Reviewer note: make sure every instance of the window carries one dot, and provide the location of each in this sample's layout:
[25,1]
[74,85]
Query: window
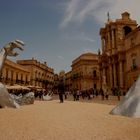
[95,86]
[94,73]
[21,77]
[12,73]
[127,30]
[16,77]
[134,66]
[26,78]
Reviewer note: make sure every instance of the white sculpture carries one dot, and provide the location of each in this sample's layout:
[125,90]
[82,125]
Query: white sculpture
[48,97]
[26,99]
[130,104]
[7,50]
[5,99]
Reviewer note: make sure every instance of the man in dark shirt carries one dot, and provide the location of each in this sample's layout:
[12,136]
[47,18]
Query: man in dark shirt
[61,91]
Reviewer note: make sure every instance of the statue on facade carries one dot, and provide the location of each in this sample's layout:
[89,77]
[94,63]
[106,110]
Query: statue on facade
[7,50]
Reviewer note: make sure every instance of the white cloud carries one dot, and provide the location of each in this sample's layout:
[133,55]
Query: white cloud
[97,9]
[81,36]
[89,39]
[60,57]
[70,12]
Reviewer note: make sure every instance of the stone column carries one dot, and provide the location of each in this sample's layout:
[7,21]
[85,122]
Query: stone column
[101,75]
[121,74]
[103,45]
[110,75]
[113,39]
[114,73]
[14,77]
[113,42]
[108,47]
[104,84]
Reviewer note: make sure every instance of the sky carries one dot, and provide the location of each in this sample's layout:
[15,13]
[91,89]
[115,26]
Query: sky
[58,31]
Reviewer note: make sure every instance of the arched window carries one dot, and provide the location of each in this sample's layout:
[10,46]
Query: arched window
[94,73]
[95,86]
[12,74]
[134,65]
[16,77]
[26,78]
[35,74]
[127,30]
[39,75]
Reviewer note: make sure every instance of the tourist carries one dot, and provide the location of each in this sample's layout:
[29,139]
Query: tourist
[78,95]
[74,94]
[61,91]
[118,93]
[107,94]
[95,92]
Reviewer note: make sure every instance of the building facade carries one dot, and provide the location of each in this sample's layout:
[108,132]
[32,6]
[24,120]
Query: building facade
[56,83]
[85,72]
[40,74]
[132,44]
[28,72]
[113,61]
[68,81]
[13,73]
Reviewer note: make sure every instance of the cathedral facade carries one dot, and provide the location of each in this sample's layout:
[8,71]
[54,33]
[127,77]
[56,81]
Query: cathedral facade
[119,58]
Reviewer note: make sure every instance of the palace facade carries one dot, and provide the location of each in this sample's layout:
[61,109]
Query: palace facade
[40,74]
[119,61]
[68,81]
[85,72]
[28,72]
[132,44]
[13,73]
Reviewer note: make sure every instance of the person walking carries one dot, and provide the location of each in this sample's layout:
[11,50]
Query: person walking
[61,91]
[107,94]
[118,93]
[78,94]
[74,94]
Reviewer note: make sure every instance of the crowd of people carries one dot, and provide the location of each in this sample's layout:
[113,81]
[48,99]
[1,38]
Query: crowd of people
[89,94]
[76,93]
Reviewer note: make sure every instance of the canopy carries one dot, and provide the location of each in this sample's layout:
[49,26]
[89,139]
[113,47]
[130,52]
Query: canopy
[17,87]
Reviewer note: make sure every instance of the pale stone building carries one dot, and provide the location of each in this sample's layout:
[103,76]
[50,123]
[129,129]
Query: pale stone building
[68,81]
[61,74]
[132,44]
[40,74]
[56,83]
[85,72]
[114,59]
[14,73]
